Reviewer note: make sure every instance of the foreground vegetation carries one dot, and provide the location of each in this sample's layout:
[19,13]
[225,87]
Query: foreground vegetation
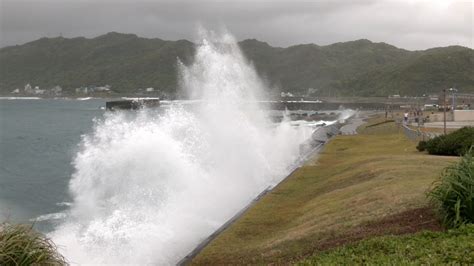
[453,194]
[22,245]
[361,186]
[455,143]
[429,248]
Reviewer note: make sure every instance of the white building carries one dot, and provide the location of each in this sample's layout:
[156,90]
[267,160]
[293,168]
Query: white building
[37,90]
[83,90]
[28,88]
[150,89]
[57,90]
[103,88]
[286,94]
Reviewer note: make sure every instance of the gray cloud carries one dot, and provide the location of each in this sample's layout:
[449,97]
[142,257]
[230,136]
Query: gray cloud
[410,24]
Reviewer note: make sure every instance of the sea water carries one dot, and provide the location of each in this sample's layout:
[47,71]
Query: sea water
[38,139]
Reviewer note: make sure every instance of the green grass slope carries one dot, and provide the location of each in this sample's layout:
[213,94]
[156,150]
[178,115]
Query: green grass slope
[342,195]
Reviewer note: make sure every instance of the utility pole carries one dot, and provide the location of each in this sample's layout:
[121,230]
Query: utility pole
[454,101]
[444,109]
[453,91]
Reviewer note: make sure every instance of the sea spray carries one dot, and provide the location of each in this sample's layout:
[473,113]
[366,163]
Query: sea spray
[148,187]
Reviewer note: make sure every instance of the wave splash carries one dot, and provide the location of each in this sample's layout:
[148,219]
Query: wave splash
[148,188]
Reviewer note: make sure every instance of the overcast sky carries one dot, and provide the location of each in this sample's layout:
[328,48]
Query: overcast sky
[409,24]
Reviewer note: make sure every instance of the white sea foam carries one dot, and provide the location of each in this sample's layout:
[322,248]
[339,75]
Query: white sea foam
[20,98]
[49,217]
[345,114]
[147,189]
[311,123]
[64,204]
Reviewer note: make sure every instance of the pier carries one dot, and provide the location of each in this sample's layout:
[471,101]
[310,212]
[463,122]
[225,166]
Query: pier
[132,104]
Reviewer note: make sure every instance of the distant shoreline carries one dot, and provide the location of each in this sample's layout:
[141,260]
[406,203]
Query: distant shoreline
[294,103]
[68,98]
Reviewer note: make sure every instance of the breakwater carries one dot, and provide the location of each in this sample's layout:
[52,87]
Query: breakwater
[316,105]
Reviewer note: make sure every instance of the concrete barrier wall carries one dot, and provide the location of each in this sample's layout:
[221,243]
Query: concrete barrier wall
[439,116]
[295,105]
[463,115]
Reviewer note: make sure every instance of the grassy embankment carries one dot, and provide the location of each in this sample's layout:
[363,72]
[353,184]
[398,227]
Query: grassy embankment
[359,186]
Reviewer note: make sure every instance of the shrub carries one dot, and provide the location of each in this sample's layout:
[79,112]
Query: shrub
[421,146]
[453,194]
[456,143]
[22,245]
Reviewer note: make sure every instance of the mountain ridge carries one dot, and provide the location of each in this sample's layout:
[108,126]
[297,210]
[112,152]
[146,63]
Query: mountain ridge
[128,62]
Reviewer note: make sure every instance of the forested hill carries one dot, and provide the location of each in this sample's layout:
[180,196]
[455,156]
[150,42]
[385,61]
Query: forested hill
[127,62]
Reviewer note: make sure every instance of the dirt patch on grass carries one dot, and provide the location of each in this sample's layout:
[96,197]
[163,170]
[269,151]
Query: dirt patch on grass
[380,123]
[406,222]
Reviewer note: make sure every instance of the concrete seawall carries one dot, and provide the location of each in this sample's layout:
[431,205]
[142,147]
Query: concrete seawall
[307,149]
[298,105]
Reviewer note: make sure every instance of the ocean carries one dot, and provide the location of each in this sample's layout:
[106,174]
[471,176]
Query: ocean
[38,140]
